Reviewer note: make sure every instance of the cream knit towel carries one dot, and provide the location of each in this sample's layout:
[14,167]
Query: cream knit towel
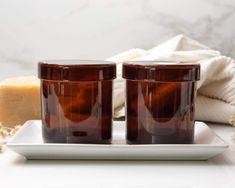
[216,90]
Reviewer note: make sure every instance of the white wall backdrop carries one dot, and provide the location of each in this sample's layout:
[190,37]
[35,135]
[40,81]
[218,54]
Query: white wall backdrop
[32,30]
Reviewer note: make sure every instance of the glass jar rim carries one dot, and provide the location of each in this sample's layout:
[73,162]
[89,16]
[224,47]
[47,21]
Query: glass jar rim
[165,71]
[76,70]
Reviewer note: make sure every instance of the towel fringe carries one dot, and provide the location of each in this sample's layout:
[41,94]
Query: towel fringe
[232,120]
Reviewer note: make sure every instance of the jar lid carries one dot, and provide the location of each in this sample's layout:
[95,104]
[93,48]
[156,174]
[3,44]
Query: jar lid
[76,70]
[165,71]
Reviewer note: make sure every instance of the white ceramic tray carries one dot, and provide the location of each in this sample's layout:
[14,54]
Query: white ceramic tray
[28,142]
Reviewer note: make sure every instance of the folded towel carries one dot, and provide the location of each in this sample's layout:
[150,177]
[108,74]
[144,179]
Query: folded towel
[215,100]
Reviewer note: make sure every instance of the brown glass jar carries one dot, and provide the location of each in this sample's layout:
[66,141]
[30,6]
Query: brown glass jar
[160,100]
[76,100]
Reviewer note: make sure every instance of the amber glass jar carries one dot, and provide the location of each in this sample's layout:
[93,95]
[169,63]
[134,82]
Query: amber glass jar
[160,102]
[76,100]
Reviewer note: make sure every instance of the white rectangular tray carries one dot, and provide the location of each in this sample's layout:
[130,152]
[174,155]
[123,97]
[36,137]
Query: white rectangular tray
[28,142]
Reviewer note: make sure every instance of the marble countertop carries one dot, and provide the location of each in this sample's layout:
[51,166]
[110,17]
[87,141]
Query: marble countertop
[219,171]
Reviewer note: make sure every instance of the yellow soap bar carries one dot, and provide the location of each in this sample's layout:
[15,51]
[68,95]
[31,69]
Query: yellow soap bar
[19,100]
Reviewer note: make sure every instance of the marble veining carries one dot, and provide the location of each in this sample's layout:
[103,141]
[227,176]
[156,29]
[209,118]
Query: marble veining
[35,30]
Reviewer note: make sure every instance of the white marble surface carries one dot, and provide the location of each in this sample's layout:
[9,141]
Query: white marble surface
[49,29]
[218,172]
